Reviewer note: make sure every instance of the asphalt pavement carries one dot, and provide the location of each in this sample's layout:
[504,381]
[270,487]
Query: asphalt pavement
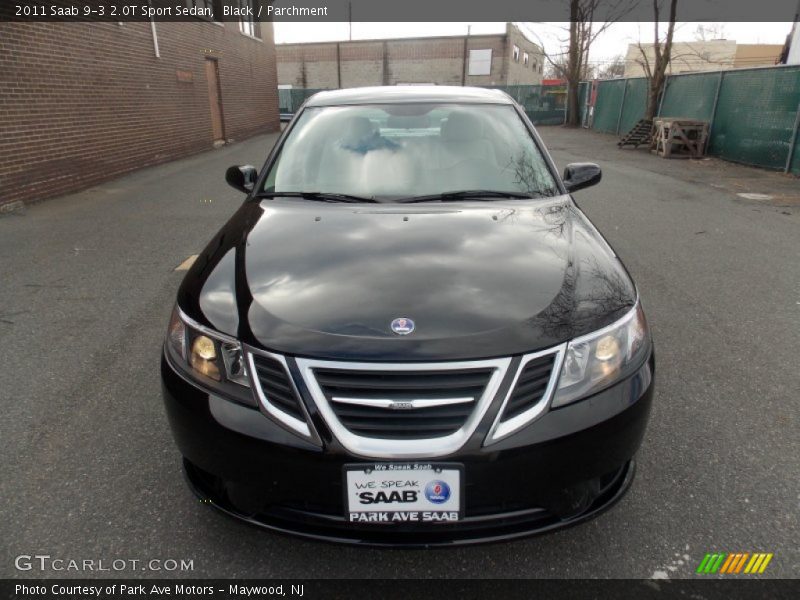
[89,469]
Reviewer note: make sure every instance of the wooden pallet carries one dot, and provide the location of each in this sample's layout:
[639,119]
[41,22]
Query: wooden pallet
[639,135]
[679,138]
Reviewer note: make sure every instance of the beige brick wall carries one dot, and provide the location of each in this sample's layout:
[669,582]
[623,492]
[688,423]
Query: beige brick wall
[687,57]
[756,55]
[418,60]
[518,72]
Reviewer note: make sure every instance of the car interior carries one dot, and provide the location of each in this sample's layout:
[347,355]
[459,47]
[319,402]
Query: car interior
[368,151]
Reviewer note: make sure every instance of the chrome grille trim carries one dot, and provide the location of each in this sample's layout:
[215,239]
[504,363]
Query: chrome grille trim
[389,403]
[500,428]
[403,448]
[301,427]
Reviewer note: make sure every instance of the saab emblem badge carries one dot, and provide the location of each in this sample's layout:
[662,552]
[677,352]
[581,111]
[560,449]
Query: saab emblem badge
[402,405]
[402,326]
[437,492]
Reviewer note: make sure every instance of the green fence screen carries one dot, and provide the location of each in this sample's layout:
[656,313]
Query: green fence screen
[794,166]
[753,113]
[690,96]
[635,103]
[544,105]
[755,116]
[607,105]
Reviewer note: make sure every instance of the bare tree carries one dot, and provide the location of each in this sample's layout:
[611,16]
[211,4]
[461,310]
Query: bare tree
[615,68]
[700,55]
[572,63]
[556,67]
[709,31]
[662,53]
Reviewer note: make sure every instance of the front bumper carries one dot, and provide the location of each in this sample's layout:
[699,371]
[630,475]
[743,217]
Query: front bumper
[565,467]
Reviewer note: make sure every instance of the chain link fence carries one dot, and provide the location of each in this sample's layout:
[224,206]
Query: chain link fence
[754,114]
[620,104]
[756,117]
[691,96]
[610,98]
[291,99]
[544,105]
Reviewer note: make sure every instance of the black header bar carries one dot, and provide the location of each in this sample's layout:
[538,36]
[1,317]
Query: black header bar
[387,10]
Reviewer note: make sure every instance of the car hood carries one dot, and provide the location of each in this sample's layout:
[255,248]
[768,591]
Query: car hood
[479,279]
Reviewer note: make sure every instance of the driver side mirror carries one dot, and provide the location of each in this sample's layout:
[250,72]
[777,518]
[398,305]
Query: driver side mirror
[581,175]
[242,178]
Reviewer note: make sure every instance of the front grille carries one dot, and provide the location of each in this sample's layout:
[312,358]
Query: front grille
[374,404]
[276,386]
[530,387]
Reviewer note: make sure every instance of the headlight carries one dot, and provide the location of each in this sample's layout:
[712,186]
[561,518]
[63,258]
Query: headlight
[212,358]
[593,362]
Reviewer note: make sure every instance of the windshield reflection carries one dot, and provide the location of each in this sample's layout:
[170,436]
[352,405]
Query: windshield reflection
[404,150]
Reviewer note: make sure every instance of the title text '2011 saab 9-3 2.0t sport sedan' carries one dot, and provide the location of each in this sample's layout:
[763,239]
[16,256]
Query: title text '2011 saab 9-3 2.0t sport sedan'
[409,333]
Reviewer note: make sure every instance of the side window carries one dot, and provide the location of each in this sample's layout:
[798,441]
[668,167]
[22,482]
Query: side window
[515,53]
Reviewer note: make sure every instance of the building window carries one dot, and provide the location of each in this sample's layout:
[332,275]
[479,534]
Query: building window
[516,53]
[525,58]
[480,62]
[247,25]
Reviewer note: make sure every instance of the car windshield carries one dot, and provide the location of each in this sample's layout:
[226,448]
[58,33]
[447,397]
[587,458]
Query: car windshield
[399,152]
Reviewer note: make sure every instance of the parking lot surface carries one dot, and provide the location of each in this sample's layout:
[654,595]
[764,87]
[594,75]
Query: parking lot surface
[89,469]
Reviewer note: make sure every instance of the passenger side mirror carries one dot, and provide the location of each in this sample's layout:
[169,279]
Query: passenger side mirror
[242,178]
[581,175]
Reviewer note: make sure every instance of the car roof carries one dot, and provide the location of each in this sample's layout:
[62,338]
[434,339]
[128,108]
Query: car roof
[409,93]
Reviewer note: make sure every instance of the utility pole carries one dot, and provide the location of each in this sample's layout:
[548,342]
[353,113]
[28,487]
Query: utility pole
[350,19]
[385,67]
[338,66]
[466,51]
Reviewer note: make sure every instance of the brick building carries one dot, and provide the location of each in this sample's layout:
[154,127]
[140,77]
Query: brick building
[499,59]
[83,102]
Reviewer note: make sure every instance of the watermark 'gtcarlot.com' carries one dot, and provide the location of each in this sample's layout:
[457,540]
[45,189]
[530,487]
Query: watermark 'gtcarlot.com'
[46,562]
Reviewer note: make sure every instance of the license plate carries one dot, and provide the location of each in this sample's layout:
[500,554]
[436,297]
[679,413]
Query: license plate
[403,493]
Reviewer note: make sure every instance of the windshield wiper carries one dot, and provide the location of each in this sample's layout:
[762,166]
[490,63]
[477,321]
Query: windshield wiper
[470,195]
[320,196]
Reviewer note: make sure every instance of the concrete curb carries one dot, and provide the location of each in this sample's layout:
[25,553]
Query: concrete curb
[12,208]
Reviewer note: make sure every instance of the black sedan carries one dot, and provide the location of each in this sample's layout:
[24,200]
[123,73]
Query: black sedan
[409,333]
